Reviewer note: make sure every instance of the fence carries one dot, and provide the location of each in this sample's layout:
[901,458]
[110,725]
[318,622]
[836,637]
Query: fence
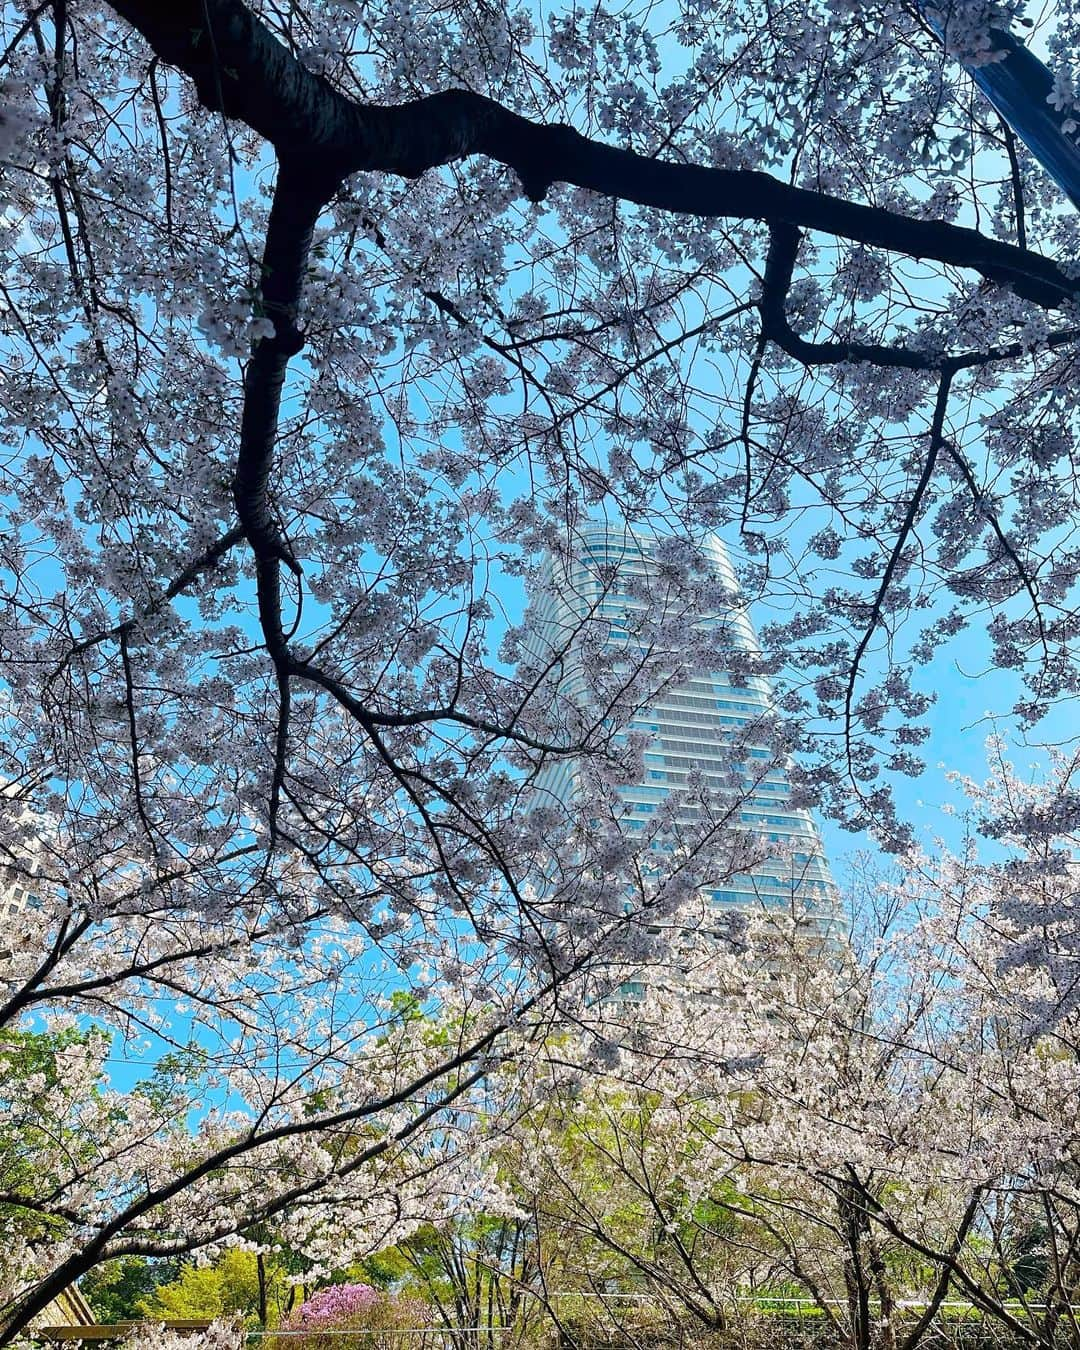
[627,1321]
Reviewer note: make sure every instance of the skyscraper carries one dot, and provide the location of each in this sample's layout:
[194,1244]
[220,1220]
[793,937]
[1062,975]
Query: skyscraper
[713,731]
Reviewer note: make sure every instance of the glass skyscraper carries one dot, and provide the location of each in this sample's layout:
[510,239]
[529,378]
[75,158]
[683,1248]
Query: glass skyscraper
[713,731]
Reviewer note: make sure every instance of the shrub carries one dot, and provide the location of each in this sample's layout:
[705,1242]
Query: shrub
[381,1321]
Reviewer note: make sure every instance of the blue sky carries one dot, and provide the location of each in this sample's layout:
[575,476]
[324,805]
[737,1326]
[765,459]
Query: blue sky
[968,694]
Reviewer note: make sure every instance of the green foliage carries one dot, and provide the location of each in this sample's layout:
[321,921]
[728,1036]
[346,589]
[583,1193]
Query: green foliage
[1029,1267]
[227,1286]
[173,1073]
[117,1289]
[388,1269]
[36,1126]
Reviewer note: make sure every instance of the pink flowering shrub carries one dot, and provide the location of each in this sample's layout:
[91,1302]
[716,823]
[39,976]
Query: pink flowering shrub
[337,1305]
[381,1321]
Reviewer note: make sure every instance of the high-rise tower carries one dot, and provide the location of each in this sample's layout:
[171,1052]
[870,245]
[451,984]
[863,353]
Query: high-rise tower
[715,728]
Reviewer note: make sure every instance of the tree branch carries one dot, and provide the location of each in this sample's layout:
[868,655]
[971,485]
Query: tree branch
[240,68]
[911,515]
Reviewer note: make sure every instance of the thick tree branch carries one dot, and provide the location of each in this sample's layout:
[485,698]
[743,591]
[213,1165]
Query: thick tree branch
[298,199]
[779,266]
[239,67]
[295,209]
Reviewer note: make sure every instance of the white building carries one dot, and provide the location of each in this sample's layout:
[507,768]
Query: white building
[717,725]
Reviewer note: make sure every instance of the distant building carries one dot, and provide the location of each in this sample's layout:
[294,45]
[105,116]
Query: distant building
[695,725]
[14,897]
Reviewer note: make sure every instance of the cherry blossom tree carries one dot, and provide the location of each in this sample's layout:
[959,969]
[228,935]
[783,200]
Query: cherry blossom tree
[817,342]
[880,1125]
[321,322]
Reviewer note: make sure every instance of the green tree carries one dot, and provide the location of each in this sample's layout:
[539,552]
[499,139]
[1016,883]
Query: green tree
[116,1289]
[39,1083]
[226,1286]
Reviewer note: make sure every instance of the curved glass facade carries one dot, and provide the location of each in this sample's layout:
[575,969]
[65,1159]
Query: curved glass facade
[714,730]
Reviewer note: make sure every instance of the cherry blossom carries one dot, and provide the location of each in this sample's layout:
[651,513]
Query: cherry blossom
[323,326]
